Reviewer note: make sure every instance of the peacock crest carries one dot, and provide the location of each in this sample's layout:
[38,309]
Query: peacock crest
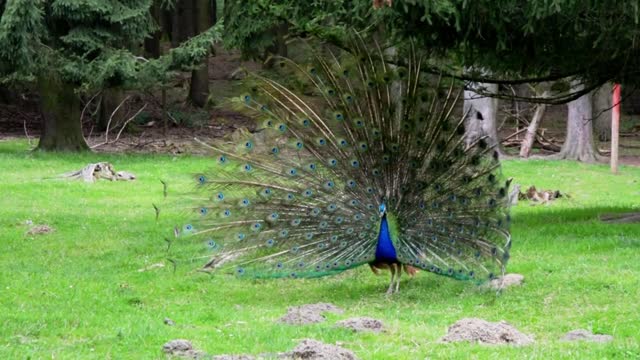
[359,158]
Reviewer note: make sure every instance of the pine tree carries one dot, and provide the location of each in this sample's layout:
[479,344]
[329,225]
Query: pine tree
[70,47]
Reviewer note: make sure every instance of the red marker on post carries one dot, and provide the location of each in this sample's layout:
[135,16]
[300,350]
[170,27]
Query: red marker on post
[615,127]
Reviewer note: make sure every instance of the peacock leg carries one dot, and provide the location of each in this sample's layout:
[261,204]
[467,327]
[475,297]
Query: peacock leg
[399,273]
[392,269]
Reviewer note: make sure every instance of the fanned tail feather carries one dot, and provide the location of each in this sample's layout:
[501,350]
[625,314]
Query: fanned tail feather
[300,197]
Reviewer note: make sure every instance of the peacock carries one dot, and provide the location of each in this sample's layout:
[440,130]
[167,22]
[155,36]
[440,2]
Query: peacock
[358,158]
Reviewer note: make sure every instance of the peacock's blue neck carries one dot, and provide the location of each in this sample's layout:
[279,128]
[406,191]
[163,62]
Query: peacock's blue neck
[385,251]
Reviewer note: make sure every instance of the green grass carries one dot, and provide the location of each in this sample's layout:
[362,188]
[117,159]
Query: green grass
[77,293]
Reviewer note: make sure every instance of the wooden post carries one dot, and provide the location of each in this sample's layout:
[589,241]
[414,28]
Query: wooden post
[615,128]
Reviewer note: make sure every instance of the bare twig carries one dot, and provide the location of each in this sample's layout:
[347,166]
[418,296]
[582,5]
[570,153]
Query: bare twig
[24,124]
[124,125]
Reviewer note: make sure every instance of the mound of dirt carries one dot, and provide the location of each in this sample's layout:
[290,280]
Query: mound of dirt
[40,229]
[359,324]
[506,281]
[309,349]
[235,357]
[182,348]
[586,335]
[308,314]
[482,331]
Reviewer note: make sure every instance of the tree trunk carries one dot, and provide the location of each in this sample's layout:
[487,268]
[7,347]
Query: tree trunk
[579,144]
[60,108]
[110,100]
[602,112]
[279,46]
[481,115]
[532,129]
[199,90]
[152,44]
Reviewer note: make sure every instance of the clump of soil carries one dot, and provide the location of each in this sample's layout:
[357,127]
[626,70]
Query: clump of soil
[182,348]
[309,349]
[506,281]
[482,331]
[362,324]
[234,357]
[586,335]
[308,314]
[40,229]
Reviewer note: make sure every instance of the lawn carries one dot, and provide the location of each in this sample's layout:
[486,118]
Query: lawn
[78,292]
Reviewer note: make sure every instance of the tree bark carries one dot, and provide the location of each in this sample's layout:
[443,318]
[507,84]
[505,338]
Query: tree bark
[60,108]
[199,90]
[532,129]
[482,113]
[279,46]
[579,144]
[110,100]
[602,112]
[152,44]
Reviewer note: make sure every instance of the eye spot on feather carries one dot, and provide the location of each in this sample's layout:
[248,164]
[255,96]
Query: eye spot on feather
[323,225]
[247,99]
[313,71]
[306,122]
[351,183]
[220,196]
[329,184]
[284,233]
[275,150]
[293,275]
[295,250]
[355,163]
[307,193]
[282,128]
[332,162]
[188,227]
[308,236]
[371,207]
[279,265]
[270,242]
[290,197]
[370,190]
[339,219]
[245,202]
[222,159]
[315,211]
[363,146]
[211,244]
[299,145]
[353,202]
[312,167]
[301,264]
[226,213]
[358,123]
[248,145]
[256,227]
[293,172]
[240,271]
[343,143]
[274,216]
[331,207]
[203,211]
[240,236]
[295,222]
[348,98]
[202,179]
[247,168]
[331,92]
[375,172]
[322,142]
[350,231]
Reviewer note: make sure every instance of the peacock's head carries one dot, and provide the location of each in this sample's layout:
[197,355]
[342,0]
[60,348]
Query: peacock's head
[382,209]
